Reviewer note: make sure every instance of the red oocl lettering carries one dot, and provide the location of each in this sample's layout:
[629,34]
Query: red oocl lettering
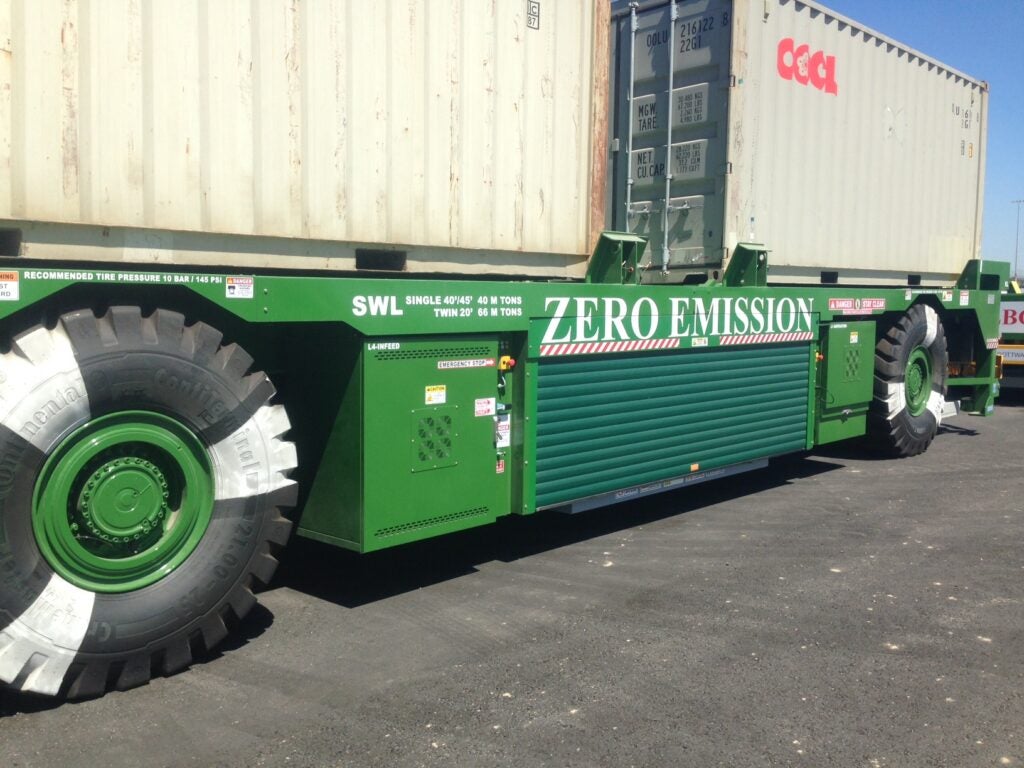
[798,63]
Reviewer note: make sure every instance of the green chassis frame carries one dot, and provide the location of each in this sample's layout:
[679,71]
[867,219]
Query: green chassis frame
[401,457]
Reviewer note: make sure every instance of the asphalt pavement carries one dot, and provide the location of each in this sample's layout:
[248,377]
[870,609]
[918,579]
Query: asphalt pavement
[832,610]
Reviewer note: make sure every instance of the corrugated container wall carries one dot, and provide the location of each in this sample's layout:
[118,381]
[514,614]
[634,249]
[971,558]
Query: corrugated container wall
[852,157]
[288,132]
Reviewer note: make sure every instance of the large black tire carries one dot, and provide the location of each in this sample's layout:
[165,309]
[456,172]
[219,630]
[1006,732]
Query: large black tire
[911,366]
[60,637]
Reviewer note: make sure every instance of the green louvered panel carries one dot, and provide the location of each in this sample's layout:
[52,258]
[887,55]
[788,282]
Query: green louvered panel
[615,421]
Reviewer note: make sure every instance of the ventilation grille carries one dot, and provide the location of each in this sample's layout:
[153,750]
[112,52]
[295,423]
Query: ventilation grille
[432,353]
[394,530]
[617,421]
[434,439]
[852,364]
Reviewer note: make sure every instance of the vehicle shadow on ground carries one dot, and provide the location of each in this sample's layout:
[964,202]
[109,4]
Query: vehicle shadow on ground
[255,624]
[15,703]
[862,450]
[1012,398]
[352,580]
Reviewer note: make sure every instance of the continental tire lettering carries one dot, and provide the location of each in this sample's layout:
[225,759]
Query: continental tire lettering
[9,461]
[797,63]
[57,403]
[199,392]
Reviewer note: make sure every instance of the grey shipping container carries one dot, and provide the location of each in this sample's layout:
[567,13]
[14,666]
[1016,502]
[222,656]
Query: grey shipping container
[852,157]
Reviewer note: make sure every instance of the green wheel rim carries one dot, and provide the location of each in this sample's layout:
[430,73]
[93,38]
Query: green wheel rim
[918,380]
[123,501]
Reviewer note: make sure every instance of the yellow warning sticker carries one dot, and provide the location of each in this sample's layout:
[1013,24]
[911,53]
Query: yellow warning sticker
[436,394]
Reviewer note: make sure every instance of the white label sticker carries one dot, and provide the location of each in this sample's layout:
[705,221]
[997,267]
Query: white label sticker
[503,430]
[484,362]
[854,337]
[436,394]
[484,406]
[239,287]
[965,298]
[9,286]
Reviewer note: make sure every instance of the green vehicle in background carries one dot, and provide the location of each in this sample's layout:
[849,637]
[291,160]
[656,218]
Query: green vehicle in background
[270,271]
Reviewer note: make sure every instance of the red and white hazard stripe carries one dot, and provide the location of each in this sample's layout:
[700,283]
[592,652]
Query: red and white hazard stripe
[602,347]
[605,347]
[766,338]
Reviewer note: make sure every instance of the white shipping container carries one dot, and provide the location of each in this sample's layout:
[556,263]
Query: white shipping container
[468,135]
[852,157]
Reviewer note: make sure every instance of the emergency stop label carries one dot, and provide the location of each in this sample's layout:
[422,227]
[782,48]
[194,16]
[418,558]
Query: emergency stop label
[9,286]
[482,362]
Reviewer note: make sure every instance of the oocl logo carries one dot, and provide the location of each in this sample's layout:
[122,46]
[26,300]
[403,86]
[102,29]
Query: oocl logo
[796,62]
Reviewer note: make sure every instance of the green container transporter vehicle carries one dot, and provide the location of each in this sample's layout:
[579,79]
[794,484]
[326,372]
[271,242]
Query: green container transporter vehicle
[175,403]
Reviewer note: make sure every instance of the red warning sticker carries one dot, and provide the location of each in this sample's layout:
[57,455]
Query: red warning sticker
[856,306]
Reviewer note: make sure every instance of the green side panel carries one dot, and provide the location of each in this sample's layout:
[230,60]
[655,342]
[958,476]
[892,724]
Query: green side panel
[846,389]
[613,421]
[333,510]
[432,462]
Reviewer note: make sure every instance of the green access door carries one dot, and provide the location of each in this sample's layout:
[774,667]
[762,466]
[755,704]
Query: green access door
[433,442]
[847,381]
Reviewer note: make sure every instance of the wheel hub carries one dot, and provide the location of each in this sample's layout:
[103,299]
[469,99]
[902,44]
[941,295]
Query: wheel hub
[917,380]
[123,501]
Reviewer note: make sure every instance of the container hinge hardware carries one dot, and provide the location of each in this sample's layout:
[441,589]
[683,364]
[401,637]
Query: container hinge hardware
[634,25]
[665,252]
[684,207]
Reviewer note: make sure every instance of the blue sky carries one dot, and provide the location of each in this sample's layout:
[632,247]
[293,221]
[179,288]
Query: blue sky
[983,39]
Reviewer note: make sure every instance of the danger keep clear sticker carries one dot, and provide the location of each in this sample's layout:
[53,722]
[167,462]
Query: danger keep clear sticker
[9,286]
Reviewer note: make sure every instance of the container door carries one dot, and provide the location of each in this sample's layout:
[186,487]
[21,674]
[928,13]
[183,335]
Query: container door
[671,80]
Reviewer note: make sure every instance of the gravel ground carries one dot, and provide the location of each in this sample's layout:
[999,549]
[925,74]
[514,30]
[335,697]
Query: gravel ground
[832,610]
